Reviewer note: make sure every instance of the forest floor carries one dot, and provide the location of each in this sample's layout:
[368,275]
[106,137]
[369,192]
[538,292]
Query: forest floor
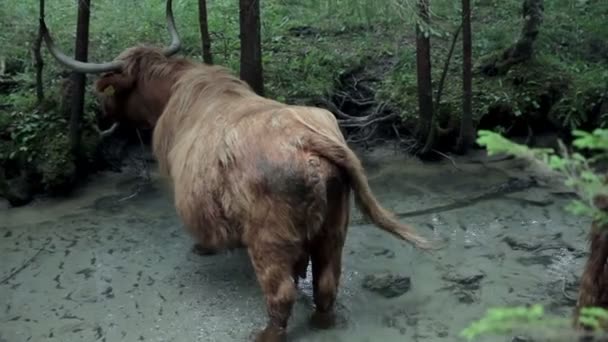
[107,265]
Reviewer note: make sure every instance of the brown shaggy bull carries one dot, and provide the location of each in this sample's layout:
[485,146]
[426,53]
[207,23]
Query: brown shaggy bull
[246,171]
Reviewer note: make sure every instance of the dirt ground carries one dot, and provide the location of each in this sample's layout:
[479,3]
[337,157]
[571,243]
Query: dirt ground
[108,265]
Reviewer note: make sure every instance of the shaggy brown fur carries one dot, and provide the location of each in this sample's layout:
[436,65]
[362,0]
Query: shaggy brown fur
[250,172]
[593,289]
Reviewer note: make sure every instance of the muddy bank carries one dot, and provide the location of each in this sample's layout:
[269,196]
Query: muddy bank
[106,265]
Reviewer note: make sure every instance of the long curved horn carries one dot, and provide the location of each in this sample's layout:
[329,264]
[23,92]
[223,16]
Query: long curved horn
[83,67]
[175,41]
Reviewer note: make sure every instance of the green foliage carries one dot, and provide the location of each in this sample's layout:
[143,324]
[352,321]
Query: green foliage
[594,317]
[30,130]
[503,321]
[532,320]
[56,164]
[576,168]
[308,45]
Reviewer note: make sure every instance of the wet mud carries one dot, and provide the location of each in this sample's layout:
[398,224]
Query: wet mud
[113,262]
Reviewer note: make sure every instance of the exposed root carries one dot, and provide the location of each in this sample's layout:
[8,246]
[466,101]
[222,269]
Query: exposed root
[363,119]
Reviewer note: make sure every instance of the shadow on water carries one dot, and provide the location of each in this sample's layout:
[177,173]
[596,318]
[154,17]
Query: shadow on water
[113,261]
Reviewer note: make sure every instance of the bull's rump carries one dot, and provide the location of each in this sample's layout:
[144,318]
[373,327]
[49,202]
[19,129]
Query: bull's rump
[256,177]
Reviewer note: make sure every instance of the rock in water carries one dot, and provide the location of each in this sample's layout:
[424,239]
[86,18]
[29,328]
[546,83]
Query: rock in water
[387,285]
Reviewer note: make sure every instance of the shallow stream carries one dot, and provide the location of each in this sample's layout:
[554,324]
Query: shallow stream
[110,265]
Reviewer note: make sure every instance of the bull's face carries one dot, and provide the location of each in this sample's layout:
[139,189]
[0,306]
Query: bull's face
[123,99]
[114,92]
[137,101]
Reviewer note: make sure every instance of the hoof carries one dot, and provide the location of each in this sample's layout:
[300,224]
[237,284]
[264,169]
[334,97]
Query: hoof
[323,320]
[200,250]
[271,334]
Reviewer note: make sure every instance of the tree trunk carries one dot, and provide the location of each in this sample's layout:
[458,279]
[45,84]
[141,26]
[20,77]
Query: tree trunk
[423,69]
[467,131]
[79,79]
[204,27]
[436,130]
[39,63]
[251,44]
[522,50]
[593,288]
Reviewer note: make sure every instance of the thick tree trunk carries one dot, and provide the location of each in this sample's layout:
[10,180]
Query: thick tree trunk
[423,69]
[467,131]
[79,79]
[251,44]
[39,63]
[204,28]
[593,289]
[522,50]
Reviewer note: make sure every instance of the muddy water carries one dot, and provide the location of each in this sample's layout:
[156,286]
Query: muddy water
[104,265]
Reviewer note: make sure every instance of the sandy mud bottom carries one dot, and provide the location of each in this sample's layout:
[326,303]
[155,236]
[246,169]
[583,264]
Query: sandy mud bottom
[104,265]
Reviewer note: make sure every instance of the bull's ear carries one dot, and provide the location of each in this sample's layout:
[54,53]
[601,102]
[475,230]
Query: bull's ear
[114,83]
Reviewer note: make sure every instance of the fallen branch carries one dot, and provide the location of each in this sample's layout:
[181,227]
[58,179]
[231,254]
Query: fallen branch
[498,191]
[448,158]
[26,263]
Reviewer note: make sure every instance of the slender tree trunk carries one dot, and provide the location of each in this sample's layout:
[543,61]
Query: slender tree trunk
[79,79]
[522,50]
[436,130]
[423,69]
[251,44]
[204,28]
[467,131]
[36,49]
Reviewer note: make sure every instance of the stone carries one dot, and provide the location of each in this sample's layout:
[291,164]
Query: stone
[467,280]
[17,191]
[387,284]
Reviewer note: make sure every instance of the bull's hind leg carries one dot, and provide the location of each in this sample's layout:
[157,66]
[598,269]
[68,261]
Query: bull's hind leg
[326,255]
[274,265]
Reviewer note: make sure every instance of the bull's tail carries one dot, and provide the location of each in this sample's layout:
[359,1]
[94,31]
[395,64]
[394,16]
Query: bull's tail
[339,153]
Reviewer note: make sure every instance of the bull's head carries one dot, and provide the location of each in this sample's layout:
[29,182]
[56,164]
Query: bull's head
[123,95]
